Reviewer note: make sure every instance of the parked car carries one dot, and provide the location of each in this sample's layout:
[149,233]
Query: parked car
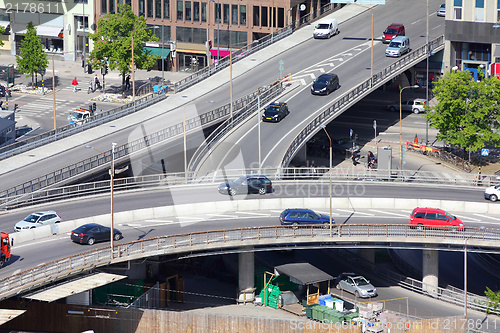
[416,105]
[393,30]
[92,233]
[325,84]
[326,28]
[441,10]
[275,112]
[492,193]
[247,185]
[398,46]
[356,284]
[23,130]
[37,219]
[434,217]
[296,216]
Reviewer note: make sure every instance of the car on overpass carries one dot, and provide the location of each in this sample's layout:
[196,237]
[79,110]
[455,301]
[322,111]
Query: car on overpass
[275,112]
[325,84]
[434,217]
[92,233]
[247,185]
[297,216]
[37,219]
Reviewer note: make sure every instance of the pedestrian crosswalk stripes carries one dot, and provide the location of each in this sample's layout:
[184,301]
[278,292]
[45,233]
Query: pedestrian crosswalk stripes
[43,106]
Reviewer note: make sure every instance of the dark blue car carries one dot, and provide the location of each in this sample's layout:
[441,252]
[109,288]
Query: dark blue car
[296,216]
[247,185]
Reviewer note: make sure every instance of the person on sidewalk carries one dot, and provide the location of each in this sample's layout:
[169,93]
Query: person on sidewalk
[127,82]
[97,84]
[75,84]
[354,157]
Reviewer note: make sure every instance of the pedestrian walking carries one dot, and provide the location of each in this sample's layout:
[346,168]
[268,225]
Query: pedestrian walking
[354,157]
[127,82]
[91,87]
[75,84]
[97,84]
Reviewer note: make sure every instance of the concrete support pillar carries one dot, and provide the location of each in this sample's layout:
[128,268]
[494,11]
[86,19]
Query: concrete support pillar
[246,283]
[430,271]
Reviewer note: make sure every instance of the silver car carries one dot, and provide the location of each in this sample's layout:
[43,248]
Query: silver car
[356,285]
[416,105]
[37,219]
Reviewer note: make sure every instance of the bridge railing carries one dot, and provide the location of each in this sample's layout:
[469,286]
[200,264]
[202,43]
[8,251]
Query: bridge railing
[309,176]
[230,238]
[357,93]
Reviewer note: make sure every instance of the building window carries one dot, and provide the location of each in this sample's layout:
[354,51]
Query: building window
[204,12]
[281,17]
[158,9]
[256,16]
[196,11]
[180,13]
[217,12]
[150,8]
[80,22]
[141,8]
[479,11]
[112,6]
[263,17]
[234,14]
[498,10]
[166,9]
[226,14]
[129,2]
[187,16]
[457,11]
[191,35]
[243,15]
[104,8]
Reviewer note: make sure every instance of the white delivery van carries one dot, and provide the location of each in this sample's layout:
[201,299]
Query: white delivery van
[325,28]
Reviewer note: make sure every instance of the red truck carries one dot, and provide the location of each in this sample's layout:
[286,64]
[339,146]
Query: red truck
[4,248]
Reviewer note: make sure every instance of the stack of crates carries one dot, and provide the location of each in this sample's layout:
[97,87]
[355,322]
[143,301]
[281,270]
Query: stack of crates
[273,296]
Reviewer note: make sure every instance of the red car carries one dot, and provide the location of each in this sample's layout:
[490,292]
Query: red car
[434,217]
[393,30]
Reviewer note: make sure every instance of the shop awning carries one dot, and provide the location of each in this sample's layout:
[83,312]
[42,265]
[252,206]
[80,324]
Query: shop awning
[4,24]
[43,30]
[157,51]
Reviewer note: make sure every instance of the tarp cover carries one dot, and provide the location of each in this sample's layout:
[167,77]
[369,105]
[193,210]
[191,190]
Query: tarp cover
[303,273]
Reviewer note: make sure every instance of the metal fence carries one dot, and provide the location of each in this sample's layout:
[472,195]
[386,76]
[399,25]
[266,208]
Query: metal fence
[234,238]
[278,176]
[357,93]
[265,95]
[149,300]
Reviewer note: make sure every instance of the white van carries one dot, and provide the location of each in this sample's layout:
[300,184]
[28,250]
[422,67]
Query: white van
[398,46]
[326,28]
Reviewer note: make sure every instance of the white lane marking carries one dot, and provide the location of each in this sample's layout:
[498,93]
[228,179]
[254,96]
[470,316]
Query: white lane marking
[251,213]
[468,218]
[158,221]
[382,212]
[222,215]
[487,217]
[350,211]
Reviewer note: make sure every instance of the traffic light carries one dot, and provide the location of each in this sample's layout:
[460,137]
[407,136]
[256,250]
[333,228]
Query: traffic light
[104,70]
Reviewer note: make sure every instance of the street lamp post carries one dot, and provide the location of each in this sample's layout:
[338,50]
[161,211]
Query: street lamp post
[258,125]
[427,78]
[401,128]
[330,192]
[111,185]
[465,271]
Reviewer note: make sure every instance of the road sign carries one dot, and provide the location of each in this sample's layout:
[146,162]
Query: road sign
[485,152]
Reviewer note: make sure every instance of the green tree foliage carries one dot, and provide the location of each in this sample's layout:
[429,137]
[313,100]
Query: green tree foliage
[2,30]
[493,298]
[31,56]
[467,114]
[113,42]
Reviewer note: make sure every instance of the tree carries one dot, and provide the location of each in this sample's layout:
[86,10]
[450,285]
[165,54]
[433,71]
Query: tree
[113,42]
[31,56]
[493,298]
[467,114]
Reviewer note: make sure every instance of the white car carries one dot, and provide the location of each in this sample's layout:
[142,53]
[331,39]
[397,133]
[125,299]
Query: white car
[416,105]
[37,220]
[492,193]
[441,11]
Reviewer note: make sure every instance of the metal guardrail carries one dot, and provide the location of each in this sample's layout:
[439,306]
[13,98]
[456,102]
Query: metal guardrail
[307,175]
[266,94]
[63,132]
[347,99]
[234,238]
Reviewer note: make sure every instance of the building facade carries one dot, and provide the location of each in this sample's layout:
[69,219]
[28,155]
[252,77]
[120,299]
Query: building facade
[472,34]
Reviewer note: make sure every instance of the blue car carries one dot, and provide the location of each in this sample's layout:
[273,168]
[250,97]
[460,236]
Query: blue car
[296,216]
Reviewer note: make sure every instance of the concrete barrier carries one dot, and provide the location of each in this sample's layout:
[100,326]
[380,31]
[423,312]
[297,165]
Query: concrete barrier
[219,207]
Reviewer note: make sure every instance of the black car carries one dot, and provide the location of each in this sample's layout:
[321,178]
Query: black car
[275,112]
[92,233]
[296,216]
[325,84]
[247,185]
